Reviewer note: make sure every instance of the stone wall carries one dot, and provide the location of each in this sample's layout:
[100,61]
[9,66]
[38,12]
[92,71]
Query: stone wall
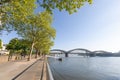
[4,58]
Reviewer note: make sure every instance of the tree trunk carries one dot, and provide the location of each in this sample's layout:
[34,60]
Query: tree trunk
[40,53]
[10,56]
[31,50]
[36,56]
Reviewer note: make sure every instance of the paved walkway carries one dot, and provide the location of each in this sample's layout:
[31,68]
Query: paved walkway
[33,73]
[10,69]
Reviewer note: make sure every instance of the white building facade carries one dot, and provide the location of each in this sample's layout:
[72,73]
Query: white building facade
[3,50]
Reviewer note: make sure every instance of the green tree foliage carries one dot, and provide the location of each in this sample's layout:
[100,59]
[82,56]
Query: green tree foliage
[35,28]
[0,43]
[38,28]
[24,46]
[43,46]
[68,5]
[15,11]
[13,45]
[17,45]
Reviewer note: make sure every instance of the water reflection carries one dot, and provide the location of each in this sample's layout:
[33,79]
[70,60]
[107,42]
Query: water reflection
[80,68]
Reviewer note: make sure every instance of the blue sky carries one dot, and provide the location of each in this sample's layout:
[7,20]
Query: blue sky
[94,27]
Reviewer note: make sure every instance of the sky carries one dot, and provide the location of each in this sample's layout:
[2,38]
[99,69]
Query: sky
[93,27]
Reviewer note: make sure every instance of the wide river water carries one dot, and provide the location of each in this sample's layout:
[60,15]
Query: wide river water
[80,68]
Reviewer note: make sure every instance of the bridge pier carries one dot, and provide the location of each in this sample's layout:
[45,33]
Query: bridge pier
[66,54]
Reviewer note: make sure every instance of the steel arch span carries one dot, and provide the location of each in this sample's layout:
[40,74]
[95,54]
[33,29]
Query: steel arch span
[63,52]
[59,50]
[87,52]
[100,51]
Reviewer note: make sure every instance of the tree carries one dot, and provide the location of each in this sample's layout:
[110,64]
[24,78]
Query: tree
[67,5]
[15,11]
[12,46]
[38,27]
[18,47]
[19,15]
[25,46]
[0,43]
[43,46]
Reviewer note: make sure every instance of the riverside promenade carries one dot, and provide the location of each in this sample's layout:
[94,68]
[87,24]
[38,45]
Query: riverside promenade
[22,70]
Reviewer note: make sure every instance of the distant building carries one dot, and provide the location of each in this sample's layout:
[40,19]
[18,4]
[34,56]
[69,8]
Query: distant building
[4,47]
[3,50]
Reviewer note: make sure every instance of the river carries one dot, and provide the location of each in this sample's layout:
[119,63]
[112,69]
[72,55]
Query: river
[81,68]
